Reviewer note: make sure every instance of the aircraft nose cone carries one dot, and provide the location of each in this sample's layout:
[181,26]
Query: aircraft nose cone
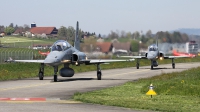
[151,56]
[51,60]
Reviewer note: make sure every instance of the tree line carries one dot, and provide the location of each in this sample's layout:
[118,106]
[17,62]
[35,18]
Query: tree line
[8,30]
[68,33]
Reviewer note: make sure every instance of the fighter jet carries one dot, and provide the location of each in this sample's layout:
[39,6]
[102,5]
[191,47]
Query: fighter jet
[153,54]
[64,53]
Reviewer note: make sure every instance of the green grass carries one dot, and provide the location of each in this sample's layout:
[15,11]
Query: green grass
[24,41]
[178,92]
[26,70]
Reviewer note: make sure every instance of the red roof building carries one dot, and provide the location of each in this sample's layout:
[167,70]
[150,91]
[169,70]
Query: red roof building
[44,30]
[121,47]
[104,47]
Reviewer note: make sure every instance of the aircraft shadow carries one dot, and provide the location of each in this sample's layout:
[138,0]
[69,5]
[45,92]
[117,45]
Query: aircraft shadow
[74,79]
[161,68]
[79,79]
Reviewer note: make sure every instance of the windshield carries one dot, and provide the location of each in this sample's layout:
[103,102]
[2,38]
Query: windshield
[153,48]
[60,45]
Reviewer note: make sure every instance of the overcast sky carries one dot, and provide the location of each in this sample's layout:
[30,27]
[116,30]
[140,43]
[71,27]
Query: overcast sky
[104,16]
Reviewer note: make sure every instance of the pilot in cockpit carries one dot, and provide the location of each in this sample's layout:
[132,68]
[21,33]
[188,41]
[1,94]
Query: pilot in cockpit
[152,48]
[60,46]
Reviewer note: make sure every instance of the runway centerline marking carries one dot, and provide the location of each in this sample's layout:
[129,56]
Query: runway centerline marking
[44,84]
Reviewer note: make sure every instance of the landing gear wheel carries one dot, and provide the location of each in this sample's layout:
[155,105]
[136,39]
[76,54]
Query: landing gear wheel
[151,67]
[41,75]
[173,65]
[55,78]
[98,75]
[41,71]
[137,65]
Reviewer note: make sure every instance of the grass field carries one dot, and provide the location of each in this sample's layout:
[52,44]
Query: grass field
[177,92]
[24,41]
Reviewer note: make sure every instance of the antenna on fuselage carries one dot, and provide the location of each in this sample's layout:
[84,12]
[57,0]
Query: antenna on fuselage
[77,40]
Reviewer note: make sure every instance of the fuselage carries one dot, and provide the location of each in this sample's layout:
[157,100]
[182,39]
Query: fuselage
[153,52]
[61,52]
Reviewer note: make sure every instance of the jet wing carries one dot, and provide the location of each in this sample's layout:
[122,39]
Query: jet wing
[170,57]
[30,61]
[96,61]
[136,57]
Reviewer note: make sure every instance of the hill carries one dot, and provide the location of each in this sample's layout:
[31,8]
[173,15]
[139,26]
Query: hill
[189,31]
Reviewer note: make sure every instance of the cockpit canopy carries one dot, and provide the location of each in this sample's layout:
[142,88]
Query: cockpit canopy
[60,45]
[153,48]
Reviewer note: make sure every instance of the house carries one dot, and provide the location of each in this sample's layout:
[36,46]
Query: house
[48,31]
[18,31]
[119,48]
[104,47]
[2,34]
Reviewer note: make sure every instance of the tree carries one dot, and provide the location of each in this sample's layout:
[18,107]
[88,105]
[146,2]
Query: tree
[70,33]
[11,25]
[26,27]
[148,33]
[177,37]
[185,37]
[99,36]
[143,39]
[134,46]
[128,35]
[136,35]
[113,35]
[123,34]
[9,30]
[62,31]
[16,27]
[2,29]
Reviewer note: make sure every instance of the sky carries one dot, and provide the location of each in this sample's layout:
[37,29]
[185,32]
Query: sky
[104,16]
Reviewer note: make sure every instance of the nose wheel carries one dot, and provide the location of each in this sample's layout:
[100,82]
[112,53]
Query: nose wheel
[151,64]
[98,72]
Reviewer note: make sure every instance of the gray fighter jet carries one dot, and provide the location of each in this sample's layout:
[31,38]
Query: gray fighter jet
[64,53]
[153,54]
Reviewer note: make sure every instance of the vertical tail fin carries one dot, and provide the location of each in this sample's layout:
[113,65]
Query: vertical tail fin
[77,39]
[157,41]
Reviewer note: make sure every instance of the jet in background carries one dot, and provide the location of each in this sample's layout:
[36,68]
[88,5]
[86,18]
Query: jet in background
[64,53]
[153,54]
[175,53]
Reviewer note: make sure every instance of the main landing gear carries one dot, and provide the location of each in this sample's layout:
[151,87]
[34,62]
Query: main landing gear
[98,72]
[151,64]
[138,64]
[41,72]
[173,64]
[55,73]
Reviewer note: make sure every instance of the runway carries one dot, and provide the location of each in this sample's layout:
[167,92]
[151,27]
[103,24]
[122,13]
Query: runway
[57,95]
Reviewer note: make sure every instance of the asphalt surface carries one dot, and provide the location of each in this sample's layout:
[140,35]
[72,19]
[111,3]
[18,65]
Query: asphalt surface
[58,94]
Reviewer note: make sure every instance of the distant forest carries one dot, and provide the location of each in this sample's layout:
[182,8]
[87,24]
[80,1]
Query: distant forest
[147,38]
